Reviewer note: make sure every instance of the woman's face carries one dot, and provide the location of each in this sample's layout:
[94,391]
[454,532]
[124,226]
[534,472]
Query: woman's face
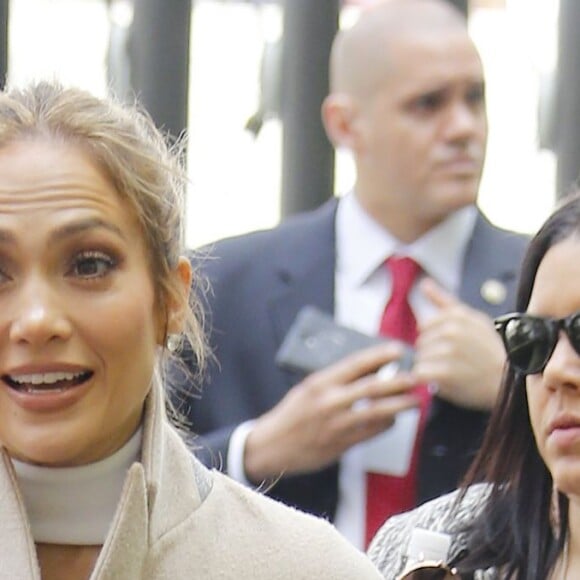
[78,323]
[554,395]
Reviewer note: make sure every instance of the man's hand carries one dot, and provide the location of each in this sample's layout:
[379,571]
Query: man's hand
[459,350]
[325,414]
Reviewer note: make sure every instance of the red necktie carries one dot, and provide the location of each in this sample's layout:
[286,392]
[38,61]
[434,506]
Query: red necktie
[388,494]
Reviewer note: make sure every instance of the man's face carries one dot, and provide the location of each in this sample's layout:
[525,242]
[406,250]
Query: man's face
[422,134]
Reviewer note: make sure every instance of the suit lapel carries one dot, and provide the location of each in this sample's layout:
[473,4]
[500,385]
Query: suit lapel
[487,259]
[305,269]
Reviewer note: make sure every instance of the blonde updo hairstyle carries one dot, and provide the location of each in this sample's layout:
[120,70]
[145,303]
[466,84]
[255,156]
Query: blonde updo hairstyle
[146,170]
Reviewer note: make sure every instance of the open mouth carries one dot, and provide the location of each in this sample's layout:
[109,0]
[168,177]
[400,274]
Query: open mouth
[46,382]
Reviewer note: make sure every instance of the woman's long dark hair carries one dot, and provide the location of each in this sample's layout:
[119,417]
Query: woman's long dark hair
[515,530]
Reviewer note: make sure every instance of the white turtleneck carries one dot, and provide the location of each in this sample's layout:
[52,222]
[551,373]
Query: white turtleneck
[75,505]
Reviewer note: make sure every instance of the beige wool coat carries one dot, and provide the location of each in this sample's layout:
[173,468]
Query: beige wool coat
[176,520]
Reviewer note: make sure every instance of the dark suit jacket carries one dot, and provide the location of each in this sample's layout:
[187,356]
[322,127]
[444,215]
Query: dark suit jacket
[259,282]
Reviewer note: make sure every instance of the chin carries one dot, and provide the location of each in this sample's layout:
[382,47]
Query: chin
[45,457]
[448,198]
[50,450]
[567,478]
[461,194]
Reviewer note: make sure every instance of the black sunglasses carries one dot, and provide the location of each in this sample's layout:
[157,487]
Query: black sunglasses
[530,340]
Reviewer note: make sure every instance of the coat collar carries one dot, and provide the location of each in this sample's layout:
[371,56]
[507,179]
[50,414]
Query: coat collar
[152,502]
[150,505]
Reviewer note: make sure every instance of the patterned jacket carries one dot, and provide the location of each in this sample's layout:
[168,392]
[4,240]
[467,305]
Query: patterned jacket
[445,515]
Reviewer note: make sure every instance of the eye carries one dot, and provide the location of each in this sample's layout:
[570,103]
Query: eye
[476,95]
[91,265]
[5,271]
[429,102]
[4,278]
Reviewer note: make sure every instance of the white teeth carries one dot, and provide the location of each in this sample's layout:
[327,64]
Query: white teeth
[44,378]
[33,390]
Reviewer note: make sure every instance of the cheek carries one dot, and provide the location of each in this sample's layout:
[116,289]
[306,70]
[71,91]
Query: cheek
[483,128]
[402,157]
[125,323]
[536,408]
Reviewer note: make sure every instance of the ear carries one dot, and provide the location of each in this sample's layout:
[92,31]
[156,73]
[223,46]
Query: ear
[339,116]
[179,300]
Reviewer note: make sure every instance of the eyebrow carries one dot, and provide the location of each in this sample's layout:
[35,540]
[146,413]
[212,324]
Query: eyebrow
[72,229]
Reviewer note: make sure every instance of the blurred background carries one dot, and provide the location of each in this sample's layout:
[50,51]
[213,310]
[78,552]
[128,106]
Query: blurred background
[246,78]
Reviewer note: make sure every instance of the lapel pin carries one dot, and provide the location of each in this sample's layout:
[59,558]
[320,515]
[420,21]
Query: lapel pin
[493,291]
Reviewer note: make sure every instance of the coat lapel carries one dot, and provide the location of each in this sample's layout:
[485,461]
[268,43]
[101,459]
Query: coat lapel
[123,553]
[18,559]
[153,501]
[125,550]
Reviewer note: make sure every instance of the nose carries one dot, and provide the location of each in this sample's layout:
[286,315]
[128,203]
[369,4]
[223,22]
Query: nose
[465,121]
[38,317]
[563,368]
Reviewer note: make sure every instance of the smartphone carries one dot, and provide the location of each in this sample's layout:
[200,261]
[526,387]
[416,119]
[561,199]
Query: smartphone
[315,340]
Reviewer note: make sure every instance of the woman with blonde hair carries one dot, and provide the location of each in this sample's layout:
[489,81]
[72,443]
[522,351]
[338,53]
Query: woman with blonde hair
[94,481]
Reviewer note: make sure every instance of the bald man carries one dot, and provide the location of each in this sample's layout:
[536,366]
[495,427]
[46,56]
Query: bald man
[407,99]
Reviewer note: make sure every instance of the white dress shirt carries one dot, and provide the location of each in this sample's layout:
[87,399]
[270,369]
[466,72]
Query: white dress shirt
[362,288]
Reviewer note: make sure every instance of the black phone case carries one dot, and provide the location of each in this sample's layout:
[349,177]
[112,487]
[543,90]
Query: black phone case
[315,341]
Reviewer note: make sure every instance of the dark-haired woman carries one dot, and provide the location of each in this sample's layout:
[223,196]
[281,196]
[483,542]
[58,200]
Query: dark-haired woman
[522,520]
